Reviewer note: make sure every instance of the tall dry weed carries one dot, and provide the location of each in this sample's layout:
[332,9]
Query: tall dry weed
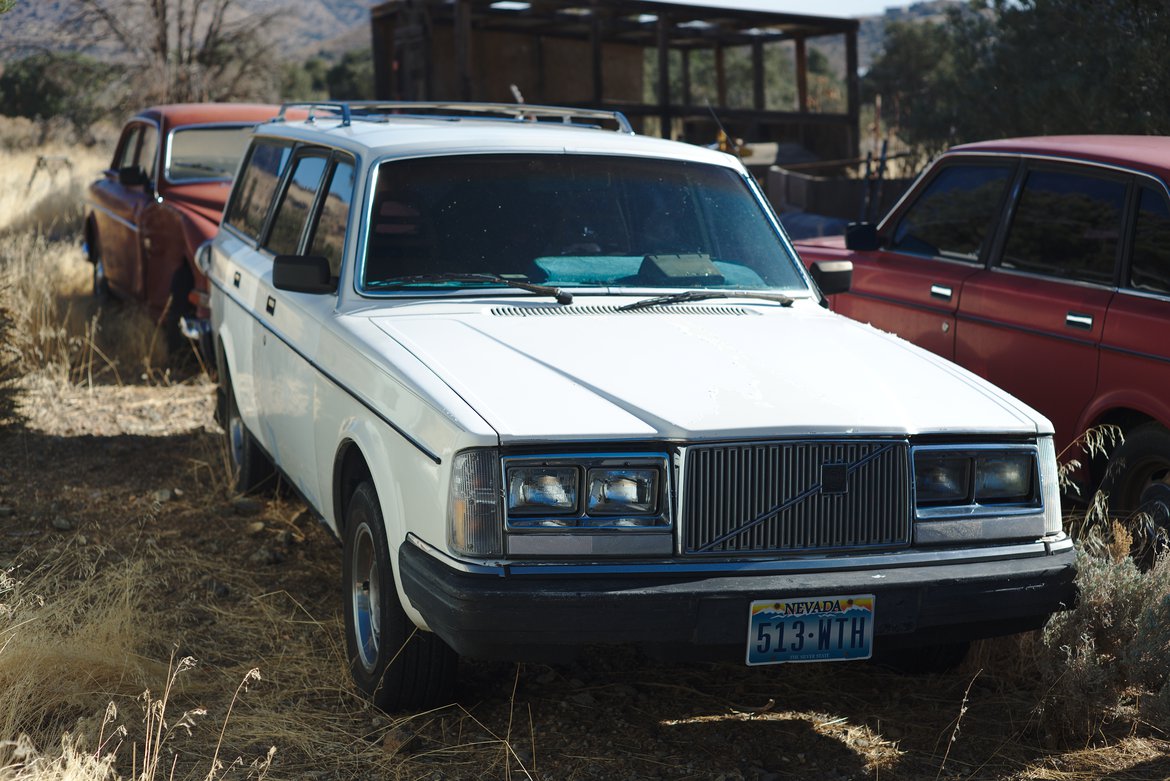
[57,328]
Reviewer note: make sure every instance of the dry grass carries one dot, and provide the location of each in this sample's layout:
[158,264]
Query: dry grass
[153,640]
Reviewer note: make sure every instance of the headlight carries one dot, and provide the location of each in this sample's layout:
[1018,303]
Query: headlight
[947,476]
[623,491]
[941,478]
[585,492]
[473,506]
[1004,478]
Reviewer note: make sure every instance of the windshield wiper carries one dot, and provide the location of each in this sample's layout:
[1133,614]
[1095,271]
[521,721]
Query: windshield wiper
[562,296]
[701,295]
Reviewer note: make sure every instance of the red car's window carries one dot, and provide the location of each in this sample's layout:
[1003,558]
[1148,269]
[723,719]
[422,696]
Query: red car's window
[1067,225]
[954,216]
[1150,266]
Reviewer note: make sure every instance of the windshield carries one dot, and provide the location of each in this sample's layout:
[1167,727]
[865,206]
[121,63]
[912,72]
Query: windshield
[206,152]
[572,221]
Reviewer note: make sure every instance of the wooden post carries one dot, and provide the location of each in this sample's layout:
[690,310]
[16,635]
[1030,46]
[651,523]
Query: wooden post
[801,76]
[720,77]
[595,45]
[463,49]
[664,75]
[853,92]
[758,75]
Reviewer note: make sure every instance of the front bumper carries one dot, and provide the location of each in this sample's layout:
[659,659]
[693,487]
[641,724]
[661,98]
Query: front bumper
[704,615]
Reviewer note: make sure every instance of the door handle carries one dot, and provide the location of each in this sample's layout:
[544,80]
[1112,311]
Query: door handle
[941,291]
[270,307]
[1078,320]
[236,279]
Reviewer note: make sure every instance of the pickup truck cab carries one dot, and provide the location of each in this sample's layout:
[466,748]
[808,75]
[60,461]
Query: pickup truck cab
[554,384]
[1042,265]
[159,200]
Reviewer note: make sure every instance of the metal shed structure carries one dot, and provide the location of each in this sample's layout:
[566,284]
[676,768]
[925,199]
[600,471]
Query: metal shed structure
[634,56]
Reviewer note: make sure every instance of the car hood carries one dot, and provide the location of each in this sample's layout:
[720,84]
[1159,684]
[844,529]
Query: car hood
[206,199]
[586,372]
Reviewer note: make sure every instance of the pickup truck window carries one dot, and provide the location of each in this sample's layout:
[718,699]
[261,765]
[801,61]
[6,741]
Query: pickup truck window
[1150,269]
[148,153]
[1067,225]
[574,220]
[199,153]
[288,223]
[954,216]
[253,193]
[128,149]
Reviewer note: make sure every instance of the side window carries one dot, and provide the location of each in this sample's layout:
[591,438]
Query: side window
[1066,225]
[329,232]
[148,152]
[128,149]
[1149,268]
[256,187]
[288,223]
[955,215]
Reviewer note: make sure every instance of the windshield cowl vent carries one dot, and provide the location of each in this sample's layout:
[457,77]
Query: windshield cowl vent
[689,310]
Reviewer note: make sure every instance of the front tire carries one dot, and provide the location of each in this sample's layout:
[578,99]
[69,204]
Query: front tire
[399,666]
[1137,481]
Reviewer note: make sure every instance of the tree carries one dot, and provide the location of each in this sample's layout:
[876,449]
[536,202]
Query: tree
[6,6]
[45,85]
[353,77]
[182,50]
[1026,67]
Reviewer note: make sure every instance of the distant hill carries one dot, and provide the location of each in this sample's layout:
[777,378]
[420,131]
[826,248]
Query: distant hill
[301,26]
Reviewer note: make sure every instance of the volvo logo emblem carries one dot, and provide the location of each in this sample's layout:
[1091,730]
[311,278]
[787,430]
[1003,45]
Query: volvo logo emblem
[834,478]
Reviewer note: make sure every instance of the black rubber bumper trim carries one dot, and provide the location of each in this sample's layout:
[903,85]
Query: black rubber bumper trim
[546,618]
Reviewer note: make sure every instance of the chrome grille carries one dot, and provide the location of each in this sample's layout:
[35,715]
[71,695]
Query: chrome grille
[785,497]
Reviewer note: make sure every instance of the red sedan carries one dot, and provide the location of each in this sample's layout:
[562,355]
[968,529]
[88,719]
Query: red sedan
[1042,264]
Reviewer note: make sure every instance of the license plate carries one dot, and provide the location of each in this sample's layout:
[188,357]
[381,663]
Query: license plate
[810,629]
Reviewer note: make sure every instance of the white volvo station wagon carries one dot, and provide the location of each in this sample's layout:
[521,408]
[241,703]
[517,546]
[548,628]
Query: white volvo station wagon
[553,384]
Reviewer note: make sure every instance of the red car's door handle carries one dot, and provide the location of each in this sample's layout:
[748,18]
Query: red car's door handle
[940,291]
[1078,320]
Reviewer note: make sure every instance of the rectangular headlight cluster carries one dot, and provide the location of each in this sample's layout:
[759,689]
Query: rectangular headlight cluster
[972,477]
[586,492]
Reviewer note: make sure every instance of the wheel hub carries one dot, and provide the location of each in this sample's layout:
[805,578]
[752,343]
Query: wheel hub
[365,600]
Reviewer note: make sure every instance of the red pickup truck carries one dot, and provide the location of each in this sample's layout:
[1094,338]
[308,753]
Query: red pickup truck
[1043,265]
[161,198]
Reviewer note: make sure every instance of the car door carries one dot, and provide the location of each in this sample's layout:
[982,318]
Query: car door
[931,246]
[310,218]
[119,201]
[1135,349]
[1032,323]
[244,222]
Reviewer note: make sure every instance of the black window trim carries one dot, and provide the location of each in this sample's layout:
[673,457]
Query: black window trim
[1030,163]
[299,152]
[895,216]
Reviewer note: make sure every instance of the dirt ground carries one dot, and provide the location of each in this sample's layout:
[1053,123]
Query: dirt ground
[114,473]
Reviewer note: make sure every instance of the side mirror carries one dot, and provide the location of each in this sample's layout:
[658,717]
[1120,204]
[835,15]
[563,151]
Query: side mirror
[861,236]
[832,276]
[132,176]
[302,274]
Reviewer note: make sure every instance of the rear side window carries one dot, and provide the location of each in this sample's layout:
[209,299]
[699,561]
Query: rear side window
[329,233]
[257,186]
[288,223]
[1150,267]
[955,215]
[1066,225]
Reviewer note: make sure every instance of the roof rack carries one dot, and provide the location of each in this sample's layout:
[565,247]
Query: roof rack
[378,111]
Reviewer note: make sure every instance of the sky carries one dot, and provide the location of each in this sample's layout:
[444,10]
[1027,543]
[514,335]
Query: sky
[810,7]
